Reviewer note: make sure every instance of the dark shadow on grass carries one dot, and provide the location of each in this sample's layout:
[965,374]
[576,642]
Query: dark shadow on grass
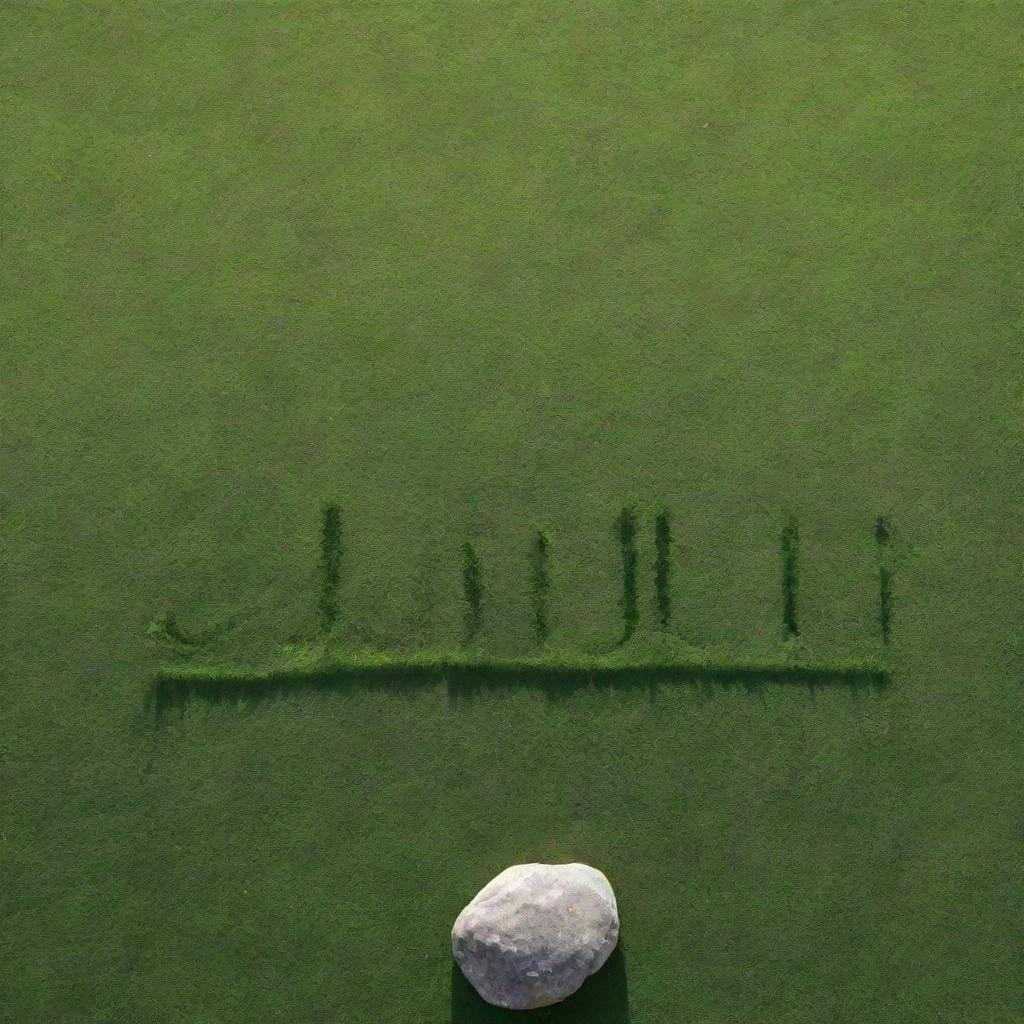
[603,999]
[172,692]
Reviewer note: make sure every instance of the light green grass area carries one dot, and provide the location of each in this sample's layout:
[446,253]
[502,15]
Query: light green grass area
[473,270]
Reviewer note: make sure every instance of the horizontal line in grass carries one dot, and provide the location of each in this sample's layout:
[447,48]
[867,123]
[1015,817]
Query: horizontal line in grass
[465,675]
[529,666]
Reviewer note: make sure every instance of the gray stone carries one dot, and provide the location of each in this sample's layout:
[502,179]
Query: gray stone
[535,933]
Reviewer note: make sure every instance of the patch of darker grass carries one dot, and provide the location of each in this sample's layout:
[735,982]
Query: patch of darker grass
[883,534]
[790,576]
[626,529]
[472,591]
[165,628]
[174,690]
[663,566]
[330,567]
[540,585]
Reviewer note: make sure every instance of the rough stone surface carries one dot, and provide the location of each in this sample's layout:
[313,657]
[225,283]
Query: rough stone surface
[535,933]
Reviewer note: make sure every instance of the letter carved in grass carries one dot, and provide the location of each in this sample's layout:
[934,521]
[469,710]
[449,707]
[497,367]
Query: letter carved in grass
[626,530]
[883,535]
[790,572]
[330,567]
[540,584]
[663,566]
[472,590]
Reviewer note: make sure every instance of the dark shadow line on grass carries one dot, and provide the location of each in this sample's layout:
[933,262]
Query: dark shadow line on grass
[172,691]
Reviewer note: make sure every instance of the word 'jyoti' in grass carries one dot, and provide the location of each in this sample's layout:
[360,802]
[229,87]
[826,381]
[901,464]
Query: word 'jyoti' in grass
[184,644]
[468,672]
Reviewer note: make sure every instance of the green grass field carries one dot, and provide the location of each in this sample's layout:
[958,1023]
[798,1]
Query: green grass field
[471,270]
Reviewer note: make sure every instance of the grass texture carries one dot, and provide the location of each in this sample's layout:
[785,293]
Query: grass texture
[463,270]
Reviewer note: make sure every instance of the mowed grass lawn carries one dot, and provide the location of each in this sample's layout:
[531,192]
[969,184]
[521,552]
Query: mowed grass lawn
[469,269]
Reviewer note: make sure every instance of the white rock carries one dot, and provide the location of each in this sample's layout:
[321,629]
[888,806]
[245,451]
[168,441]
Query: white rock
[535,933]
